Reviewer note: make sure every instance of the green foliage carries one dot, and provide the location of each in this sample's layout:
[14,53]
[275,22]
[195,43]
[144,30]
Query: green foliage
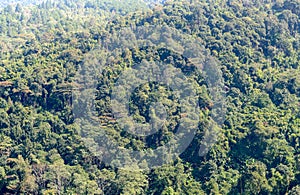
[43,46]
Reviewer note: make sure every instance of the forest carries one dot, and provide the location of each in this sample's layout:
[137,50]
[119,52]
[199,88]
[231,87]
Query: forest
[45,44]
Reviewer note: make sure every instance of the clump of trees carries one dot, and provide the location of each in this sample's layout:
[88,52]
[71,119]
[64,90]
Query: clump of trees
[43,46]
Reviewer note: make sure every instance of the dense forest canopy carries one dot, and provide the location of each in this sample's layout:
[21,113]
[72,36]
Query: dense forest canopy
[43,47]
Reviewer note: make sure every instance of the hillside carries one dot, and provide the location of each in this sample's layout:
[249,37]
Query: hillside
[250,50]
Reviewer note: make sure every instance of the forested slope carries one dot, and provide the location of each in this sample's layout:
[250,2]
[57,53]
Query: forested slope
[257,150]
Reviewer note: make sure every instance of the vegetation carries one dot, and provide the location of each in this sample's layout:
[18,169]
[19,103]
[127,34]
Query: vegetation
[258,147]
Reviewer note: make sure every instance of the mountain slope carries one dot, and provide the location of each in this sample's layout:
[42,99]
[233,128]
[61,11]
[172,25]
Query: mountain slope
[257,148]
